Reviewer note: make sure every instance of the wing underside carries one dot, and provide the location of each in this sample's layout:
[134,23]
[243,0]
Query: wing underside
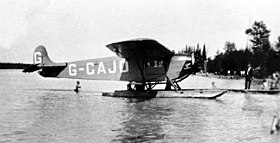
[144,47]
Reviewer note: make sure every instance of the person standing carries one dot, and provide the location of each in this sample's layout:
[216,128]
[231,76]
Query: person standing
[77,87]
[248,76]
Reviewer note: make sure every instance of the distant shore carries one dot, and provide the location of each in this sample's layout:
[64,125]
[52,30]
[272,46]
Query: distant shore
[256,83]
[211,75]
[13,65]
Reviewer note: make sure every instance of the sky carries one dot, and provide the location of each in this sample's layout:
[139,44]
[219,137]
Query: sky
[73,30]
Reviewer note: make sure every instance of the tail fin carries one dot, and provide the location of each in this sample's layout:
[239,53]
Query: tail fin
[41,61]
[40,56]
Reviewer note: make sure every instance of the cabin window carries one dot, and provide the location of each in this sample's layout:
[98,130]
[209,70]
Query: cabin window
[148,64]
[160,64]
[154,64]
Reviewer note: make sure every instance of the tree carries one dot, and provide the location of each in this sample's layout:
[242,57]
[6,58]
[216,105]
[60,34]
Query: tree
[197,51]
[260,36]
[278,44]
[229,47]
[204,56]
[261,46]
[215,65]
[188,49]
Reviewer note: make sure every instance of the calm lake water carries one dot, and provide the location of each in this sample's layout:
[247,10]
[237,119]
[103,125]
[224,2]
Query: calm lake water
[37,109]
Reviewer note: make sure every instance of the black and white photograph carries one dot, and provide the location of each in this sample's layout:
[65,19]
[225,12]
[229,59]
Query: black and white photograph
[126,71]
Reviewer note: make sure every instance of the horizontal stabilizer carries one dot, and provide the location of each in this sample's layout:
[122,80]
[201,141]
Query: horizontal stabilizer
[36,67]
[32,68]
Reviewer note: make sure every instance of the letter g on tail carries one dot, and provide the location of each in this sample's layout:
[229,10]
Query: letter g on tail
[37,57]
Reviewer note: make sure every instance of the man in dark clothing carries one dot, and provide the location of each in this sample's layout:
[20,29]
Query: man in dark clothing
[248,76]
[77,87]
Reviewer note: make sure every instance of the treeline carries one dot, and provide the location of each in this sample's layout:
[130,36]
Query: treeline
[13,65]
[199,56]
[263,55]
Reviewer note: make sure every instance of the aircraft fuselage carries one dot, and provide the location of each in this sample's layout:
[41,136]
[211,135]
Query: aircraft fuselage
[115,68]
[141,61]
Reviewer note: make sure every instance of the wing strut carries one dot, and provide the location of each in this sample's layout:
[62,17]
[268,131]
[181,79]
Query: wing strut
[141,87]
[173,83]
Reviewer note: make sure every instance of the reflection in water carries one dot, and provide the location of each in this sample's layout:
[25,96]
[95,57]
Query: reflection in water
[251,106]
[144,121]
[50,111]
[158,119]
[57,116]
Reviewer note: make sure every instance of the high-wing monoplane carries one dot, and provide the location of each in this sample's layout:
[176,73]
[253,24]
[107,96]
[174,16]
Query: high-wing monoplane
[144,63]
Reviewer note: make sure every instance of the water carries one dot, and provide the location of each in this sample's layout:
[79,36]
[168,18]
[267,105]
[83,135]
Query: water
[36,109]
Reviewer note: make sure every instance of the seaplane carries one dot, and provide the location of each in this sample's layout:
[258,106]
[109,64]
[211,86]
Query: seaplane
[143,63]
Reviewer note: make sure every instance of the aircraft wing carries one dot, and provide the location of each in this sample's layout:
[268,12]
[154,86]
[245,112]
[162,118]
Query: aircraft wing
[143,47]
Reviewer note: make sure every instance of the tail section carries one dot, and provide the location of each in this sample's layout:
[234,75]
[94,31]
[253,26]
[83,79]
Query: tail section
[40,56]
[43,64]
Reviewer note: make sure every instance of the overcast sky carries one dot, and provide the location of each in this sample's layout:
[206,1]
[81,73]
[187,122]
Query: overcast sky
[74,30]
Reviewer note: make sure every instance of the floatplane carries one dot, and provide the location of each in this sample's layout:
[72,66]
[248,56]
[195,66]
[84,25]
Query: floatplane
[143,63]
